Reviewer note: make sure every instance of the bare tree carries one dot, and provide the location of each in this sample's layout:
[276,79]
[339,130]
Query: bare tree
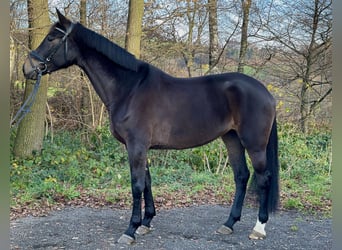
[213,34]
[246,5]
[196,18]
[83,12]
[30,132]
[85,94]
[302,30]
[134,26]
[285,44]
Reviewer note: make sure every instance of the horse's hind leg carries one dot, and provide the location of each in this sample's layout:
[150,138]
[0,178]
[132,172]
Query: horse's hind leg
[262,176]
[236,154]
[150,211]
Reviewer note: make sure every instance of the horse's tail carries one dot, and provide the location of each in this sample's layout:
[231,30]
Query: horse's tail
[272,166]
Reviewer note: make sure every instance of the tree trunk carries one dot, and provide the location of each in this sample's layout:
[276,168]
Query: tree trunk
[30,132]
[134,27]
[246,4]
[213,34]
[13,56]
[189,51]
[85,105]
[304,98]
[83,12]
[304,108]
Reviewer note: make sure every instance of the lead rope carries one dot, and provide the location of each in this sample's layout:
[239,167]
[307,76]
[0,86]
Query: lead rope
[25,108]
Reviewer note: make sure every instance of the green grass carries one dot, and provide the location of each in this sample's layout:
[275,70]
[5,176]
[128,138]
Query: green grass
[305,169]
[69,166]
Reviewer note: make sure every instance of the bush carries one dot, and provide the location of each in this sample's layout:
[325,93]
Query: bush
[99,162]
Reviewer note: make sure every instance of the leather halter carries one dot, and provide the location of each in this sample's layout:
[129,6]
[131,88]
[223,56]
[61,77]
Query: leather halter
[42,66]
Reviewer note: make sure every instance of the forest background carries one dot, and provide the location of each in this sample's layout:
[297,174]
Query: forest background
[285,44]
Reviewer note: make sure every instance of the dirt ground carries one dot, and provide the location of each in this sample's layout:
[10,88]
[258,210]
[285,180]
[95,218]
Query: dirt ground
[180,228]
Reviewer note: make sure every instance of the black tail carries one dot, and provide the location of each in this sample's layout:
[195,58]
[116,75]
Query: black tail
[272,166]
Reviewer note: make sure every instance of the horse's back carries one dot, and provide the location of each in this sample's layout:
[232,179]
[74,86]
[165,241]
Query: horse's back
[187,112]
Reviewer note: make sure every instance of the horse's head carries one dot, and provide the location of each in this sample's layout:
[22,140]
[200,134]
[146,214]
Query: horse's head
[56,51]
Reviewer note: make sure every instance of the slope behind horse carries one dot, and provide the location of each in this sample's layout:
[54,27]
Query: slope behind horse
[149,109]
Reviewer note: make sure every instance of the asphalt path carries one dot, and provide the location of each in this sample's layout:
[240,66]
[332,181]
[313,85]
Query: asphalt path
[180,228]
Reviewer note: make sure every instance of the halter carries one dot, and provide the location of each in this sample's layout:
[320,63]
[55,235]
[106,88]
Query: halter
[42,67]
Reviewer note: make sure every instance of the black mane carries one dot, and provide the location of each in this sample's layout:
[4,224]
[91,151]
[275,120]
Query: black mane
[106,47]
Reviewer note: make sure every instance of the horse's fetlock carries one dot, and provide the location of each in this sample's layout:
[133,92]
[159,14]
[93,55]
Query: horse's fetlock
[136,222]
[263,218]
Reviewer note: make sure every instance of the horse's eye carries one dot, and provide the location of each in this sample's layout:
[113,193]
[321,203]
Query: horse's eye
[50,38]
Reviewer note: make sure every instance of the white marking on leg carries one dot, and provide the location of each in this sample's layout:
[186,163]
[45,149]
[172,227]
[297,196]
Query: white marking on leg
[260,227]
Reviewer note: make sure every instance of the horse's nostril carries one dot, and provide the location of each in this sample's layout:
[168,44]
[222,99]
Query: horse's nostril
[28,71]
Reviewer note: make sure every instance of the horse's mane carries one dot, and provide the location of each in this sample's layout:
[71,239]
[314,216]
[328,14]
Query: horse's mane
[106,47]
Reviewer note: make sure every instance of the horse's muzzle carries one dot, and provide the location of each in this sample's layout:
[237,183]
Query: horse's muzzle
[32,67]
[29,72]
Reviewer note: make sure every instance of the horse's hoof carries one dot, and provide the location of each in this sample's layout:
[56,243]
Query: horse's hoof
[225,230]
[142,230]
[126,239]
[257,235]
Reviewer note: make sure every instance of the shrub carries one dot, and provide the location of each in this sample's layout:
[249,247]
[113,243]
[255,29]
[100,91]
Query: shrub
[99,164]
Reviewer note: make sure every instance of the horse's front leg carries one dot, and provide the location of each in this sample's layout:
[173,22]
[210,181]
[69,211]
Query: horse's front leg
[137,160]
[150,210]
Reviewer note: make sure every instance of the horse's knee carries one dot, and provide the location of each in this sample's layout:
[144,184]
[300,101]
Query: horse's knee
[138,187]
[138,181]
[242,178]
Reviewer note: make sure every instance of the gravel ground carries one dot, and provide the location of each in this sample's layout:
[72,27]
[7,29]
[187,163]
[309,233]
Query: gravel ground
[180,228]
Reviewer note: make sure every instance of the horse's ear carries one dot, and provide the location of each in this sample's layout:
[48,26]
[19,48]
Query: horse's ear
[62,19]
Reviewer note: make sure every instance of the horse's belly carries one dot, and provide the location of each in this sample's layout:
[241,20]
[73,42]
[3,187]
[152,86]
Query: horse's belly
[189,134]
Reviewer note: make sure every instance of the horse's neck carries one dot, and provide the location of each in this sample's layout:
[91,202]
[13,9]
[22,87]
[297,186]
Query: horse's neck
[106,80]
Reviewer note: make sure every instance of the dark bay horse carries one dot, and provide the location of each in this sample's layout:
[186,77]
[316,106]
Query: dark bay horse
[149,109]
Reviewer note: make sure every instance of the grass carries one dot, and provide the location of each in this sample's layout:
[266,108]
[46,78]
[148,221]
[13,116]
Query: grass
[69,168]
[305,169]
